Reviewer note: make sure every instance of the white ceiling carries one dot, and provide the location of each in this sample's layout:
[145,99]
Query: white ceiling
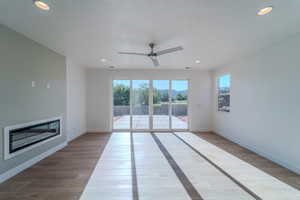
[213,31]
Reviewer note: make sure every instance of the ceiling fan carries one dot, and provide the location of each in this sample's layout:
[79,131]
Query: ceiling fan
[153,55]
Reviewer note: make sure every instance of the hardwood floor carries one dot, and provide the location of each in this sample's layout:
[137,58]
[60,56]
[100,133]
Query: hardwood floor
[61,176]
[65,174]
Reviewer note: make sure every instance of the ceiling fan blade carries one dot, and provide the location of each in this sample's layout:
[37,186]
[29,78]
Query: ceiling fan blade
[133,53]
[155,61]
[179,48]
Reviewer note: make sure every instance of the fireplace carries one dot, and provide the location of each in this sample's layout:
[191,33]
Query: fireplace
[23,137]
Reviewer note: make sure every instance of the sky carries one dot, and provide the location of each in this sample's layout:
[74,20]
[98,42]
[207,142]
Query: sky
[224,81]
[178,85]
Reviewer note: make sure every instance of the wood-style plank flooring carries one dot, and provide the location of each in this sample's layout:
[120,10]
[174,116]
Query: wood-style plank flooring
[61,176]
[65,174]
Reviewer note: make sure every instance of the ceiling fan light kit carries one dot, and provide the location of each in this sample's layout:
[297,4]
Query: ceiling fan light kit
[153,55]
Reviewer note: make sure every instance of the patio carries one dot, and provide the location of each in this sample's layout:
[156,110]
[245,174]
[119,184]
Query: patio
[142,122]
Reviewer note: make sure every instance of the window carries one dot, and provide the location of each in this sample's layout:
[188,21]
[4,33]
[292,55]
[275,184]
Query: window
[224,93]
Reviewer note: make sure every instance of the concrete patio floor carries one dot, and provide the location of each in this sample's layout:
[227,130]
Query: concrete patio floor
[142,122]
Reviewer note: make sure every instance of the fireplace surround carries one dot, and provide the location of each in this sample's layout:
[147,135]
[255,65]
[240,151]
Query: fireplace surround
[23,137]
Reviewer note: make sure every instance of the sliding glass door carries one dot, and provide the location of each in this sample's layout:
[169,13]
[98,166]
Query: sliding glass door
[140,104]
[179,115]
[150,105]
[161,107]
[121,104]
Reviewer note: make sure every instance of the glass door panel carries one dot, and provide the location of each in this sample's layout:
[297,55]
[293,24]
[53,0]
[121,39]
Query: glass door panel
[140,104]
[161,119]
[179,104]
[121,104]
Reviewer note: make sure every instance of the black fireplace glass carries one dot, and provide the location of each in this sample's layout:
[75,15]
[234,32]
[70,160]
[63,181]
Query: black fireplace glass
[25,137]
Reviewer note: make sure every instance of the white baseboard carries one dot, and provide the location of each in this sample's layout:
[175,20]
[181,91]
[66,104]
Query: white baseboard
[202,130]
[262,153]
[107,131]
[73,137]
[98,131]
[12,172]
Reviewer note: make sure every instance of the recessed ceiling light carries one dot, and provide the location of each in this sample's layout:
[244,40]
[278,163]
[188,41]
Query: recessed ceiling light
[197,61]
[103,60]
[41,5]
[265,10]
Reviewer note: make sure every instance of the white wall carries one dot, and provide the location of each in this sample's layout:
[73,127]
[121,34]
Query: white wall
[76,100]
[265,103]
[99,95]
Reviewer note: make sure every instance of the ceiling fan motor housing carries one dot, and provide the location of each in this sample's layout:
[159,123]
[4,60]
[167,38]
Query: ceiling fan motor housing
[152,54]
